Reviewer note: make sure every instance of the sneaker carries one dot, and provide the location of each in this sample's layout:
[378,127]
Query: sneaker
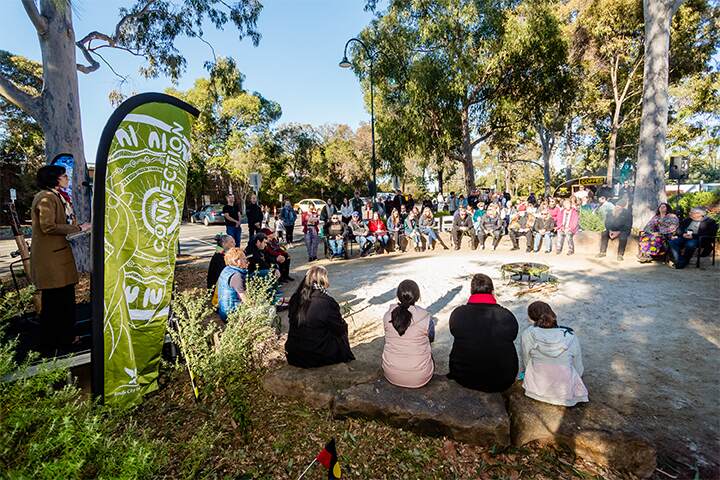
[600,255]
[515,248]
[570,253]
[620,258]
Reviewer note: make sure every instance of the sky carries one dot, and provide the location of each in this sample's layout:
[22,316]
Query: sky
[295,63]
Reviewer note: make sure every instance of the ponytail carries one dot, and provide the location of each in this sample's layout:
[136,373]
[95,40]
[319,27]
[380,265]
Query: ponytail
[408,293]
[542,315]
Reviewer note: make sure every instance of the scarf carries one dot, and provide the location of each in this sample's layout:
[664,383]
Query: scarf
[317,286]
[67,204]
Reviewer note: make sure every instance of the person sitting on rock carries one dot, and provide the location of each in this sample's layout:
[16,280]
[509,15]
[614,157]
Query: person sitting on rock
[231,283]
[462,225]
[490,226]
[409,330]
[552,358]
[357,229]
[412,231]
[483,355]
[224,243]
[543,231]
[428,230]
[521,225]
[278,255]
[317,334]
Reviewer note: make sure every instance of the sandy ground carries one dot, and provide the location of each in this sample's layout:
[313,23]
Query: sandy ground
[650,335]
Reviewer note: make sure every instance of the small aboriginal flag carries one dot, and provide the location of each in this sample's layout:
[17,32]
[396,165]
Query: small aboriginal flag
[328,457]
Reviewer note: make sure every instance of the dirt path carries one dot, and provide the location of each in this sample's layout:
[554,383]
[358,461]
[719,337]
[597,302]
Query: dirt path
[650,335]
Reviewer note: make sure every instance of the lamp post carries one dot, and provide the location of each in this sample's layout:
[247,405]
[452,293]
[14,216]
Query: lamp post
[345,63]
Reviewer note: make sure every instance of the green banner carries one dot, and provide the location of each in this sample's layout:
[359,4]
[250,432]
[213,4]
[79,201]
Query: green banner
[145,178]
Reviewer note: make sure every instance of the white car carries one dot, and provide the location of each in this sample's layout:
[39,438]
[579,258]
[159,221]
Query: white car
[304,205]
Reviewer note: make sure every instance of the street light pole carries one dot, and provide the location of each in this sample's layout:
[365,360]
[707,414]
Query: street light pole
[344,63]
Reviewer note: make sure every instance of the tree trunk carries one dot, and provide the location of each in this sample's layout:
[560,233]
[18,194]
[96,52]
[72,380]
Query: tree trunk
[467,161]
[546,142]
[612,146]
[650,173]
[440,179]
[60,120]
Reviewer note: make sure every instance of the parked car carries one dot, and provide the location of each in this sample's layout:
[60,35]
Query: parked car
[208,214]
[304,205]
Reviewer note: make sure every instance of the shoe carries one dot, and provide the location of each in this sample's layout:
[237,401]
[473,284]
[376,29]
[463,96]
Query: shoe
[456,248]
[548,251]
[515,248]
[445,247]
[600,255]
[620,258]
[570,253]
[528,250]
[558,252]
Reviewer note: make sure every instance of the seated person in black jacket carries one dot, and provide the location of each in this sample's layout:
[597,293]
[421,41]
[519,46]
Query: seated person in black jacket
[277,255]
[618,223]
[259,261]
[318,335]
[217,262]
[483,355]
[695,232]
[463,225]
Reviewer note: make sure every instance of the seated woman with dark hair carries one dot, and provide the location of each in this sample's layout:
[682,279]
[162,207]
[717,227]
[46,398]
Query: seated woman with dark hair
[655,237]
[552,358]
[318,335]
[407,357]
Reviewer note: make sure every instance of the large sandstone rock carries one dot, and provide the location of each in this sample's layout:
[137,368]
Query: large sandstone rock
[592,430]
[318,386]
[441,408]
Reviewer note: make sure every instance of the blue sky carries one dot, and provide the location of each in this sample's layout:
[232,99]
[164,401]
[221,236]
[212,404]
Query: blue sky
[295,64]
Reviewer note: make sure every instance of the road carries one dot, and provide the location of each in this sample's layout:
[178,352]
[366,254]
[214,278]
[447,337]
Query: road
[195,239]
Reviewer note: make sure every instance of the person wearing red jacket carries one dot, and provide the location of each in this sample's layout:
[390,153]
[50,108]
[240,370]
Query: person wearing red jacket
[278,255]
[567,221]
[379,231]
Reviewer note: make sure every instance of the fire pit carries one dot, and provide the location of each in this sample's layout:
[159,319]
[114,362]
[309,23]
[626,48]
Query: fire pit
[526,272]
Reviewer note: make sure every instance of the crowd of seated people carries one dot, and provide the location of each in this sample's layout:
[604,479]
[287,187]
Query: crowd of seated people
[483,355]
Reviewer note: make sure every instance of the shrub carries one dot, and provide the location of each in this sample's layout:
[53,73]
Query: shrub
[696,199]
[591,221]
[48,431]
[14,303]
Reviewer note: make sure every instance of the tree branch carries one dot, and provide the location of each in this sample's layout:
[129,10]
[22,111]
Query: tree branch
[509,162]
[39,21]
[26,102]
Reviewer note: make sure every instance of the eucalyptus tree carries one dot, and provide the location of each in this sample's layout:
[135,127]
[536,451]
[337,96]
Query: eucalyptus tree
[146,28]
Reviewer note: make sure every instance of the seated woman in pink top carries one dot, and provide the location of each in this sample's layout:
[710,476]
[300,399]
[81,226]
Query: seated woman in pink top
[407,357]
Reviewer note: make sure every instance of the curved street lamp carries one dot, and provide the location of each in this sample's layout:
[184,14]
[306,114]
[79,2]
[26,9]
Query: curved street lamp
[345,63]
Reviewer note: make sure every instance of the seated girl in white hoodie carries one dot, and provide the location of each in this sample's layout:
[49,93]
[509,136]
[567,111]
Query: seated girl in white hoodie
[552,359]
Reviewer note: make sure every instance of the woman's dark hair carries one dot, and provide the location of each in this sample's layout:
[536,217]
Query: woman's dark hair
[48,177]
[481,283]
[667,207]
[300,300]
[408,293]
[542,315]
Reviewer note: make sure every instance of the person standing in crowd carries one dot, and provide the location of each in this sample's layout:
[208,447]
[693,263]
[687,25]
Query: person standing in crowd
[398,200]
[521,225]
[543,231]
[317,334]
[288,217]
[462,201]
[278,255]
[389,204]
[531,199]
[326,214]
[490,226]
[396,229]
[695,232]
[462,225]
[452,203]
[346,211]
[655,237]
[409,202]
[568,222]
[361,234]
[232,282]
[378,230]
[254,215]
[310,223]
[52,264]
[357,203]
[580,193]
[605,206]
[336,235]
[407,357]
[552,359]
[483,356]
[265,216]
[618,224]
[223,243]
[231,213]
[440,202]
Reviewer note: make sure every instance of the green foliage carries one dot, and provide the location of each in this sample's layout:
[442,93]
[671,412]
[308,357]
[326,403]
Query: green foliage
[227,364]
[591,221]
[48,431]
[13,304]
[697,199]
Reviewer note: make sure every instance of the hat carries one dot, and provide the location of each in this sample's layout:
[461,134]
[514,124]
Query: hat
[266,231]
[355,214]
[522,208]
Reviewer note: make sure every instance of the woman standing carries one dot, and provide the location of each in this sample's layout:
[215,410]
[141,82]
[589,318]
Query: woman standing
[407,357]
[317,334]
[346,211]
[52,263]
[310,222]
[655,236]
